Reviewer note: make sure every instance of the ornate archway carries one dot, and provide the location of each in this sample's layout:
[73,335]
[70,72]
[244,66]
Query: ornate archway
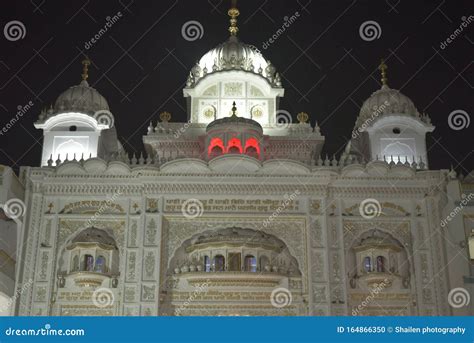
[233,270]
[379,277]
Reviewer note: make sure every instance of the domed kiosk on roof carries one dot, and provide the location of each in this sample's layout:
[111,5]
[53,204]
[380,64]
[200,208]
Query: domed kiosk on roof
[234,135]
[233,71]
[80,125]
[389,127]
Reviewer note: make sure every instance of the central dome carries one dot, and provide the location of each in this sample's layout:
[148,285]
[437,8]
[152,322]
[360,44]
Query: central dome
[234,55]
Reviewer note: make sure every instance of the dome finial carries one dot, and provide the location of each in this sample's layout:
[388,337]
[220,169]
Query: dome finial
[383,70]
[234,110]
[86,62]
[233,14]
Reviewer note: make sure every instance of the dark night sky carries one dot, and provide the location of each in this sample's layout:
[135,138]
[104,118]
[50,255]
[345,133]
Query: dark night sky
[140,65]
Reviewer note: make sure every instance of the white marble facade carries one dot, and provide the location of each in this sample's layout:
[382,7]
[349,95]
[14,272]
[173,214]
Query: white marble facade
[235,212]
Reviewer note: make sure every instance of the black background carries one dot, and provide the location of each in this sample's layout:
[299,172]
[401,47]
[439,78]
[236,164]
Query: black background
[141,64]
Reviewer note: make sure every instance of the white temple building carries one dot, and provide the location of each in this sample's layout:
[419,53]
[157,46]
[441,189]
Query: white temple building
[235,212]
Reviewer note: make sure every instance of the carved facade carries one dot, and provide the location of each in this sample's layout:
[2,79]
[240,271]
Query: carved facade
[229,256]
[234,212]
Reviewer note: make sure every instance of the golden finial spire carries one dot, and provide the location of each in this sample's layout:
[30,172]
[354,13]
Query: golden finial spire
[383,70]
[234,110]
[85,68]
[233,14]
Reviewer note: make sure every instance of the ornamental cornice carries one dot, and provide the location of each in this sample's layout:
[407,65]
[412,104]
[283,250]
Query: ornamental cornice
[144,173]
[177,188]
[407,191]
[96,168]
[180,187]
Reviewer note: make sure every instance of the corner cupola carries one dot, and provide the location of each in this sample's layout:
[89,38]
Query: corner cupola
[72,128]
[389,127]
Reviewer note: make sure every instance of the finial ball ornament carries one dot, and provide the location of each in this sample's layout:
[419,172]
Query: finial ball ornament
[302,117]
[165,116]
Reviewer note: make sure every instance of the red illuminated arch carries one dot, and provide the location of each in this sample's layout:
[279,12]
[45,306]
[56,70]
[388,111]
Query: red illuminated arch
[234,145]
[216,147]
[252,143]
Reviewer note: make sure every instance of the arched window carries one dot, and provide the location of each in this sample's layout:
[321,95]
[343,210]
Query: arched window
[88,263]
[219,263]
[264,262]
[380,264]
[75,263]
[234,146]
[207,264]
[252,148]
[215,146]
[251,151]
[367,264]
[216,151]
[69,148]
[234,150]
[100,266]
[250,264]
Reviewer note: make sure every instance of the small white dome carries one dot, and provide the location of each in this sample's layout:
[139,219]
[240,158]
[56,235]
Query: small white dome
[386,101]
[81,98]
[234,55]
